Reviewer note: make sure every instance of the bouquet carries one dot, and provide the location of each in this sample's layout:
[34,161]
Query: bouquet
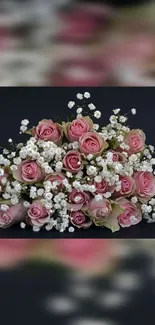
[77,174]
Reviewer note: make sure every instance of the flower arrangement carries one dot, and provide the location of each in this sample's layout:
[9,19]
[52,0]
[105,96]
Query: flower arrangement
[77,174]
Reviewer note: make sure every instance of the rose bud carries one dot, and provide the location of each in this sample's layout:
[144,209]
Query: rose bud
[47,130]
[145,185]
[75,129]
[92,143]
[15,213]
[56,177]
[38,215]
[101,187]
[28,171]
[78,200]
[135,139]
[73,161]
[131,215]
[80,220]
[127,186]
[99,211]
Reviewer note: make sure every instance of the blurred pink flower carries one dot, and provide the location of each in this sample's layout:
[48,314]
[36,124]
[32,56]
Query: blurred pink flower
[14,251]
[87,255]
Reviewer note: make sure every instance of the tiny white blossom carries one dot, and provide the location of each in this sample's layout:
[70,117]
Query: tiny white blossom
[133,111]
[23,128]
[98,197]
[14,199]
[79,110]
[69,174]
[116,111]
[96,127]
[79,96]
[10,140]
[92,107]
[87,95]
[98,179]
[90,156]
[4,207]
[22,225]
[107,195]
[25,122]
[123,119]
[71,229]
[151,148]
[120,138]
[40,191]
[26,204]
[71,104]
[1,172]
[134,199]
[36,229]
[97,114]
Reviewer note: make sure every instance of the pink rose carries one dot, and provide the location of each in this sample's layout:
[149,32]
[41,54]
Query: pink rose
[77,128]
[14,251]
[73,161]
[101,187]
[56,177]
[99,210]
[116,156]
[135,139]
[127,186]
[16,213]
[78,200]
[47,130]
[28,171]
[131,215]
[80,220]
[145,185]
[91,256]
[92,143]
[38,215]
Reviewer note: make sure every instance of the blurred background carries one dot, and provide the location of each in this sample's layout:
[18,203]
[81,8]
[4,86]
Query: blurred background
[77,43]
[77,282]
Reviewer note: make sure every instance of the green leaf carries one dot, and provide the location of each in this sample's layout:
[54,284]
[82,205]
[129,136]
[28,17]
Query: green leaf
[111,222]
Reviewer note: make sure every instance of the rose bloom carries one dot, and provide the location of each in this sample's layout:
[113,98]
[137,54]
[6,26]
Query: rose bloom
[145,185]
[99,211]
[56,177]
[38,215]
[73,161]
[14,251]
[78,200]
[28,171]
[135,139]
[80,220]
[92,143]
[77,128]
[127,186]
[116,156]
[15,213]
[101,187]
[89,256]
[131,215]
[47,130]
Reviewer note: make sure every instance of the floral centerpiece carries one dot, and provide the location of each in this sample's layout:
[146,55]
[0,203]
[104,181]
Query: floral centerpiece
[78,173]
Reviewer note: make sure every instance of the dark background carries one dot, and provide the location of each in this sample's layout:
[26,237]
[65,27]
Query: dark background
[38,103]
